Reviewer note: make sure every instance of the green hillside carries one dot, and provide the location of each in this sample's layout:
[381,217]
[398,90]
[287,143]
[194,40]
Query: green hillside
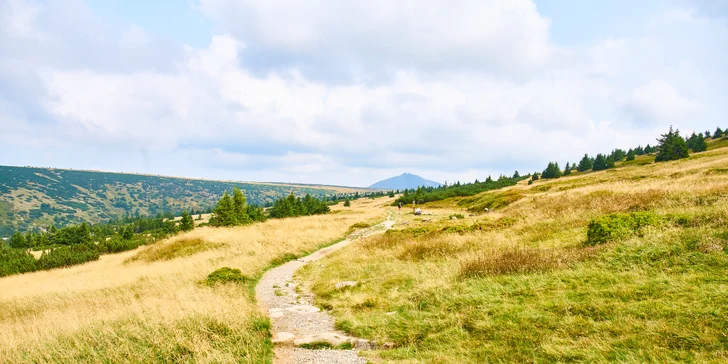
[35,197]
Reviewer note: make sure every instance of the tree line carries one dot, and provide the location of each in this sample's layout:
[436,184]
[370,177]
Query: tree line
[422,195]
[671,146]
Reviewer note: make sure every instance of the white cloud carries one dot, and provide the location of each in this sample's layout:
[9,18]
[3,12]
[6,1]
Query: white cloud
[470,90]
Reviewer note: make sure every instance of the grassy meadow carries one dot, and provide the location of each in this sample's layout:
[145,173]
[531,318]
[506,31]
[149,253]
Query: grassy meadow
[626,265]
[152,304]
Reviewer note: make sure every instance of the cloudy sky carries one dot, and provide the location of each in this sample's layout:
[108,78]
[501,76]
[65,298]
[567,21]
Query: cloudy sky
[350,92]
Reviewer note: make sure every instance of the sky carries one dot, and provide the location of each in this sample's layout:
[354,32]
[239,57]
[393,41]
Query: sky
[352,92]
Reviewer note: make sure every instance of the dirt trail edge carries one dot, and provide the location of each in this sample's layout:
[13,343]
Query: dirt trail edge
[297,322]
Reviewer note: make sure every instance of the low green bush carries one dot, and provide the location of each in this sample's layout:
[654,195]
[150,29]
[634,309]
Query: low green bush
[618,226]
[225,275]
[67,256]
[15,261]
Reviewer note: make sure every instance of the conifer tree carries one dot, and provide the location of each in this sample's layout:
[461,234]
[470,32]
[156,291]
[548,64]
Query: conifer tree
[630,155]
[223,212]
[240,207]
[567,169]
[585,164]
[516,175]
[552,171]
[671,147]
[186,223]
[718,133]
[347,203]
[697,143]
[600,163]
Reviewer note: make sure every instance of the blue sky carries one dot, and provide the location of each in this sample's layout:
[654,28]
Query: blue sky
[351,92]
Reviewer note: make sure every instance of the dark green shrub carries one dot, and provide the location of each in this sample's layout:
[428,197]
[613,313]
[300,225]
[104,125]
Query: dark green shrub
[67,256]
[15,261]
[226,275]
[618,226]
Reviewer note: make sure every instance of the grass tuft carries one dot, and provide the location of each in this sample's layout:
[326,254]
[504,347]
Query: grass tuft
[174,249]
[225,275]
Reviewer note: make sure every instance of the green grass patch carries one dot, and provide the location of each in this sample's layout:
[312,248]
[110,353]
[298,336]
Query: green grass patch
[226,275]
[618,226]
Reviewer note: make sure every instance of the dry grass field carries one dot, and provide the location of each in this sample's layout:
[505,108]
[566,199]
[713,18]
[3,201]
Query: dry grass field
[149,305]
[527,283]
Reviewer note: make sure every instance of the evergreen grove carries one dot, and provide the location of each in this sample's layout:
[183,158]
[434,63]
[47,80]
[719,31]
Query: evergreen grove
[670,147]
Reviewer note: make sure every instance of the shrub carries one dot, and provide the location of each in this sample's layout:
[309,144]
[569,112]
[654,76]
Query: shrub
[618,226]
[67,256]
[225,275]
[15,261]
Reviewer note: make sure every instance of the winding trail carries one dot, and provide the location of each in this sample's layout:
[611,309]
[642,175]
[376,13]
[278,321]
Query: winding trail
[295,319]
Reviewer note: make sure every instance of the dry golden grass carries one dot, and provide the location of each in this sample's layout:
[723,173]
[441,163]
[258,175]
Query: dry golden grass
[137,311]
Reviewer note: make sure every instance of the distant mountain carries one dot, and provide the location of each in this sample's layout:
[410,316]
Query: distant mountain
[404,181]
[37,197]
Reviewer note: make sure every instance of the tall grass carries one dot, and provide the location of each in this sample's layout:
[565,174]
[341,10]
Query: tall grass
[651,289]
[153,308]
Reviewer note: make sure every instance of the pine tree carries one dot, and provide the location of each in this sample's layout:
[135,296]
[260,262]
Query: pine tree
[697,143]
[223,212]
[239,207]
[610,161]
[552,171]
[618,155]
[649,149]
[186,224]
[707,134]
[567,169]
[671,147]
[516,175]
[347,203]
[630,155]
[585,164]
[600,163]
[718,133]
[535,176]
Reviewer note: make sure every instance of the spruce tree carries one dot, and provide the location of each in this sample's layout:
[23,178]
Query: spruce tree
[585,164]
[516,175]
[186,223]
[630,155]
[347,203]
[671,147]
[697,143]
[223,212]
[552,171]
[600,163]
[567,169]
[240,207]
[718,133]
[610,161]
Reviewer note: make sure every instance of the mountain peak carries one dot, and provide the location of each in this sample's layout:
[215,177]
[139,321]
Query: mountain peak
[404,181]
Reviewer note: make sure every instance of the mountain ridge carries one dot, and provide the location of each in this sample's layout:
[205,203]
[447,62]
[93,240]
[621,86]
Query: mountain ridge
[404,181]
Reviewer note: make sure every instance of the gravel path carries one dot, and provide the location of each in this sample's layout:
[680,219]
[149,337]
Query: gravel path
[294,317]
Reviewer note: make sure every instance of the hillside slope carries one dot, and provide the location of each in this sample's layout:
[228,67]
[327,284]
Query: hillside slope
[404,181]
[160,303]
[35,197]
[625,265]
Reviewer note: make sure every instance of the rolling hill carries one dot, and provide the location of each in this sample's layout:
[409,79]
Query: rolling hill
[404,181]
[36,197]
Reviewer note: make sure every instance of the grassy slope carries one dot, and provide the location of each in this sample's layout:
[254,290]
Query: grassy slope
[524,288]
[153,308]
[77,196]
